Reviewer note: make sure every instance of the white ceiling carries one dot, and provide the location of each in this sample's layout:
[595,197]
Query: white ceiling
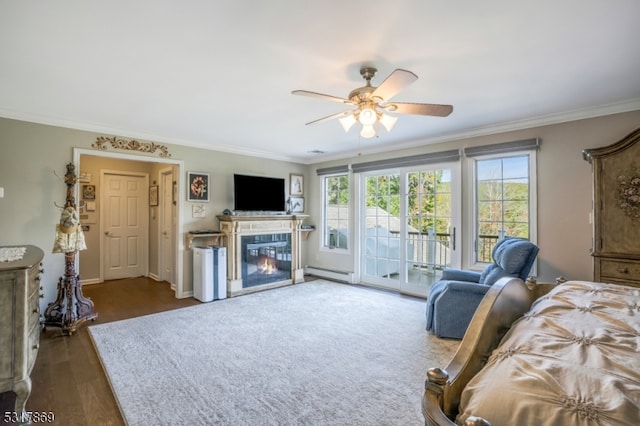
[219,74]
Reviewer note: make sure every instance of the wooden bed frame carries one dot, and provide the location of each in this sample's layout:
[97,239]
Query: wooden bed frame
[505,302]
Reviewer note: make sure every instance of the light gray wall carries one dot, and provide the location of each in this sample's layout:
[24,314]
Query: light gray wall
[564,193]
[32,154]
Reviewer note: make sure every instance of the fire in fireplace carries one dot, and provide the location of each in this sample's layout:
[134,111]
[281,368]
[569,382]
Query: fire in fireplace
[267,266]
[265,259]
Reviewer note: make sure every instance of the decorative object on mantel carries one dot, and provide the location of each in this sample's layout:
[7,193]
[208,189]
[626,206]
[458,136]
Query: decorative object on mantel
[296,205]
[130,145]
[70,308]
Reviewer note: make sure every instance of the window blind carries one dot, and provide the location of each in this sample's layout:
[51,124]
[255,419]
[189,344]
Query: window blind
[504,147]
[333,170]
[412,160]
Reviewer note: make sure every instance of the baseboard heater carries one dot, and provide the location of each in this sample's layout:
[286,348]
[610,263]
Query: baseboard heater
[342,276]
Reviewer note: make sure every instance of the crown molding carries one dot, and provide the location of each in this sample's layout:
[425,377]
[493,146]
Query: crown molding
[540,121]
[545,120]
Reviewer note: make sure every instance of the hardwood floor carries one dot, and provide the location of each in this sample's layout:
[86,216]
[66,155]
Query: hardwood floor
[68,379]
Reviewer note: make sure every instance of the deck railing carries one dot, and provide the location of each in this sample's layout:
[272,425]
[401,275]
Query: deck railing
[485,247]
[433,251]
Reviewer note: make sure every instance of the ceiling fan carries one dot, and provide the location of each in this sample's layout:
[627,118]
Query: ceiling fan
[372,103]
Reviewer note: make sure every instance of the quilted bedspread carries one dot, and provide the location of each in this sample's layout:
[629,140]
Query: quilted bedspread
[573,359]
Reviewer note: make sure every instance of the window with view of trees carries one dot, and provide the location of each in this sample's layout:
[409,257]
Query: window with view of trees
[336,211]
[428,198]
[504,197]
[407,226]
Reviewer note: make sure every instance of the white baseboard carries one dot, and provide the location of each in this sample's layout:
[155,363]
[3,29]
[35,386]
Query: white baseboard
[186,294]
[90,281]
[342,276]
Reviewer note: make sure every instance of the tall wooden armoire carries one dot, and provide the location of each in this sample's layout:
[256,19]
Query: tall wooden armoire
[616,210]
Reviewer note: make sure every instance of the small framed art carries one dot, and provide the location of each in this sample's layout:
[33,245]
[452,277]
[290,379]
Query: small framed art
[89,192]
[198,210]
[153,195]
[297,205]
[198,186]
[296,185]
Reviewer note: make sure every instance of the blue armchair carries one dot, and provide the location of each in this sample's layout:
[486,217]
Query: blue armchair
[453,299]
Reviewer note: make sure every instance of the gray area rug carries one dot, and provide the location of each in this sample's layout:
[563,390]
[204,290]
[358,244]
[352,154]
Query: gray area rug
[317,353]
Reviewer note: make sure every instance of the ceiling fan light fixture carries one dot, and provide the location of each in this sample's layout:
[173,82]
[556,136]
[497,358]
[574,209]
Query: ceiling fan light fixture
[389,107]
[368,131]
[371,103]
[367,116]
[347,122]
[388,121]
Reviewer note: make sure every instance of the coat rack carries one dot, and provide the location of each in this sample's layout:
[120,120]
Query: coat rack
[71,308]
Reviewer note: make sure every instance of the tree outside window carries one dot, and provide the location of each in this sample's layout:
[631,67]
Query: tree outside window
[503,200]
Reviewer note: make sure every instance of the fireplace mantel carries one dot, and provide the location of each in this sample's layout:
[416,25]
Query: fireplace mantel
[234,227]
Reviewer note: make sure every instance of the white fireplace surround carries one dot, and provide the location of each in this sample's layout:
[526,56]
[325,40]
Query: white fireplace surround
[235,227]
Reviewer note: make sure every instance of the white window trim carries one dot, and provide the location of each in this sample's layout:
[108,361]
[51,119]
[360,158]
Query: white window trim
[323,247]
[533,205]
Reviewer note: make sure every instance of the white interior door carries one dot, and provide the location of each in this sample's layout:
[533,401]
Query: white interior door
[125,225]
[167,226]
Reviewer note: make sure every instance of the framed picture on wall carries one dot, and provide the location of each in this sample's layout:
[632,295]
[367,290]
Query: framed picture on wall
[297,205]
[89,192]
[197,186]
[296,185]
[153,195]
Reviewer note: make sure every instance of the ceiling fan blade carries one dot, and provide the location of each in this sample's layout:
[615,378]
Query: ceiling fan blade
[394,83]
[321,96]
[331,117]
[419,109]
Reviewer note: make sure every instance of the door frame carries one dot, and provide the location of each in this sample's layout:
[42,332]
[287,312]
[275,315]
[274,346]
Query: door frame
[145,214]
[456,189]
[161,217]
[181,196]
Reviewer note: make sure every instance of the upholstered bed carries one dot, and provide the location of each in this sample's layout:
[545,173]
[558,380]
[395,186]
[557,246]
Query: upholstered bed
[571,357]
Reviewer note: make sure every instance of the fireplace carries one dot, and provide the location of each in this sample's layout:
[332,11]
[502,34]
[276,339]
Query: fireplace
[263,251]
[265,259]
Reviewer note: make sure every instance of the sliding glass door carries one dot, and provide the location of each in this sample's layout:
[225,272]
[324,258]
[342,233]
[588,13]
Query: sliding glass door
[409,222]
[382,230]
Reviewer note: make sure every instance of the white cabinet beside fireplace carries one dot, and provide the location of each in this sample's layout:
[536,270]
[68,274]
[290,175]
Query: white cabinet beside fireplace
[235,227]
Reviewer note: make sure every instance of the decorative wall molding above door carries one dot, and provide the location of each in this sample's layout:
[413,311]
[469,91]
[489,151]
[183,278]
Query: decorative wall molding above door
[130,145]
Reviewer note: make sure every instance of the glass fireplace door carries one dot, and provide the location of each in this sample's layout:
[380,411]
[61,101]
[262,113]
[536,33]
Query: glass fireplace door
[265,259]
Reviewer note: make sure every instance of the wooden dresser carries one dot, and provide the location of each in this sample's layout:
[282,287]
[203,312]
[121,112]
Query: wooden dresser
[616,210]
[19,322]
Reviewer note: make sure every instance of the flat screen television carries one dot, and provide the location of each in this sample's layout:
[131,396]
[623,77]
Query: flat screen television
[258,193]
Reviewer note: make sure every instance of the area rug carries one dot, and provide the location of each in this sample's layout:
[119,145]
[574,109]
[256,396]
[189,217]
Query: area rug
[317,353]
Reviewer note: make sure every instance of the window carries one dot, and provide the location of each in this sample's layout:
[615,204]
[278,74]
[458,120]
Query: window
[336,211]
[505,202]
